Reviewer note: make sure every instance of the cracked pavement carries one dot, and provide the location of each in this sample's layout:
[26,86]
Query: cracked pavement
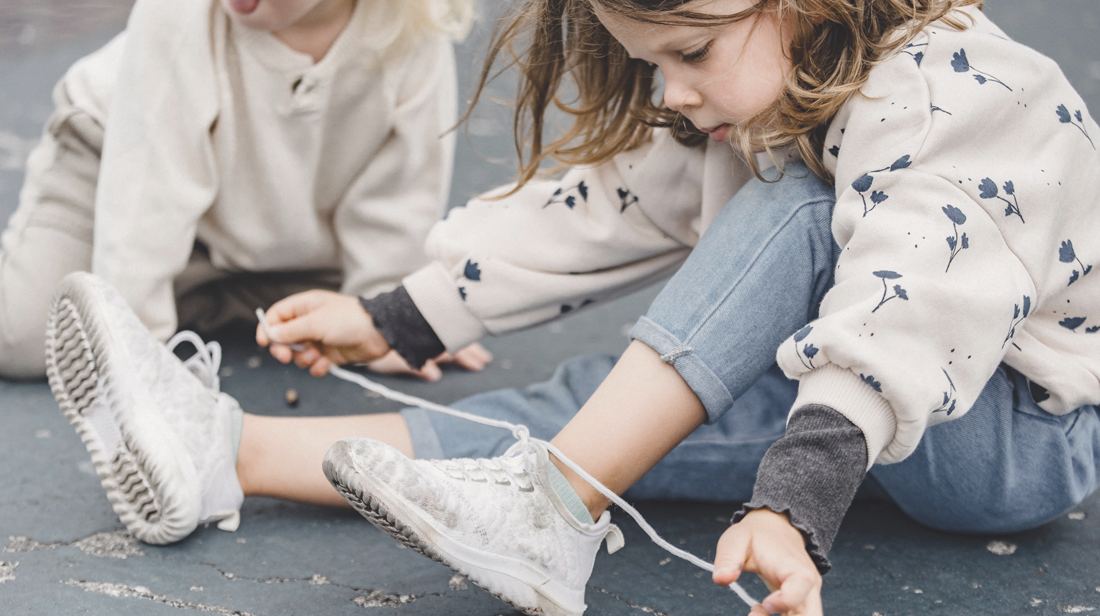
[65,552]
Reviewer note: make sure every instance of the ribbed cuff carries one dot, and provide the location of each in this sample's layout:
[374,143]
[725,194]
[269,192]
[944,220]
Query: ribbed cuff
[840,388]
[399,321]
[811,475]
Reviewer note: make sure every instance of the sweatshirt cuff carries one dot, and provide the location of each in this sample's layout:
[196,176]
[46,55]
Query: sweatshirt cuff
[840,388]
[439,301]
[396,317]
[811,475]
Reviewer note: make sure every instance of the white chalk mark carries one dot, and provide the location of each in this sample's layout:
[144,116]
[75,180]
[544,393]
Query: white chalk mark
[377,598]
[1075,609]
[7,571]
[141,592]
[457,582]
[114,544]
[1001,548]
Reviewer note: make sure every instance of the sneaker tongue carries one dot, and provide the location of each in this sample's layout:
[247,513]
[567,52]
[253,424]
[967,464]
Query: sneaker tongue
[514,458]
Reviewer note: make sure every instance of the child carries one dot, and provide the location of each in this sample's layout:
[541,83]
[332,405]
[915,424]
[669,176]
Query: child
[217,156]
[962,372]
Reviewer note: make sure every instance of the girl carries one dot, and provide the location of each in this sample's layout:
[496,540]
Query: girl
[928,288]
[220,155]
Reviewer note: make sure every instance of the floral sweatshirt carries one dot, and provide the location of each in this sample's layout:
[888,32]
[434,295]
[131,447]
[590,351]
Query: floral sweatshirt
[224,135]
[967,214]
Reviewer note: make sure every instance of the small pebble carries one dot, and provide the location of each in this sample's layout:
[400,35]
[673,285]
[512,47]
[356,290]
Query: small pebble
[242,540]
[254,361]
[1036,602]
[292,397]
[665,562]
[42,434]
[1077,515]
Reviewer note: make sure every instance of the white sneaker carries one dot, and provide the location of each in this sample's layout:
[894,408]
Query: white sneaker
[159,438]
[498,522]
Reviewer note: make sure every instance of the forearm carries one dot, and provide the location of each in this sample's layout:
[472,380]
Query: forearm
[811,475]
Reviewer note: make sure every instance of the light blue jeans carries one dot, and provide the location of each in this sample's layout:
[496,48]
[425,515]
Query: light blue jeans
[758,275]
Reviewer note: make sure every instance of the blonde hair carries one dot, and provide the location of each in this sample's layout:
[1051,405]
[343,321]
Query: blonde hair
[407,22]
[560,46]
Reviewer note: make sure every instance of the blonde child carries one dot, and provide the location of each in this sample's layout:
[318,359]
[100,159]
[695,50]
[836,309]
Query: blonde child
[914,250]
[220,155]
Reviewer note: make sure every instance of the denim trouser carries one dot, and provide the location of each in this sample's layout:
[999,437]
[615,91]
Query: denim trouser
[758,275]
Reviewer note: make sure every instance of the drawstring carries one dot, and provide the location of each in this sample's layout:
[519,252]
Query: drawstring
[523,435]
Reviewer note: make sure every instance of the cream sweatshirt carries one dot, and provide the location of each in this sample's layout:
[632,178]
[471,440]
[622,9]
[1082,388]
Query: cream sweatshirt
[224,135]
[968,212]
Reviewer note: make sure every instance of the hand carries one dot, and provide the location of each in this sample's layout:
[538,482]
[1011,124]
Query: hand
[766,544]
[474,358]
[333,328]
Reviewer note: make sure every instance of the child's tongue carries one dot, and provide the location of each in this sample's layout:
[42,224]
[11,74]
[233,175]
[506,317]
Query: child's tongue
[244,7]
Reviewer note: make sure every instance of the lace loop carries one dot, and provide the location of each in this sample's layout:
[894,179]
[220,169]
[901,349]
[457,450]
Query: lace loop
[206,361]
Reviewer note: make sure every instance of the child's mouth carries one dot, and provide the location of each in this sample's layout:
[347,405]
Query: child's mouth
[244,7]
[718,133]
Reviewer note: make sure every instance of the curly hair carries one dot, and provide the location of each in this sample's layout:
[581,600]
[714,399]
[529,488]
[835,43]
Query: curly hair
[568,60]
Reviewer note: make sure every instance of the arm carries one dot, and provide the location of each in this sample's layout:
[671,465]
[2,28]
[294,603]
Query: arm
[157,176]
[383,220]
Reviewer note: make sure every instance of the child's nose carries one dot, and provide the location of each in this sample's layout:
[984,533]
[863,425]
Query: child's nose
[679,96]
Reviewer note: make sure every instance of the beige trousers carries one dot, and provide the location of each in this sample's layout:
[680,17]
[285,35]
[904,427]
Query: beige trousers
[50,235]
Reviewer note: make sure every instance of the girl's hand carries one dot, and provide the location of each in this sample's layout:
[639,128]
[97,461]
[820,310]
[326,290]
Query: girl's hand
[474,358]
[766,544]
[332,328]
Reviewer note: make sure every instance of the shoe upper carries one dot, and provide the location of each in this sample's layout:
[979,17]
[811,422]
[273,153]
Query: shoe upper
[505,506]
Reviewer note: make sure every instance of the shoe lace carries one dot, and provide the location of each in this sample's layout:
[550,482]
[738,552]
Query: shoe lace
[523,435]
[205,362]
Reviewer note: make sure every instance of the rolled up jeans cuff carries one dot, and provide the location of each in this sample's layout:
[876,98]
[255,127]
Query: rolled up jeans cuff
[714,395]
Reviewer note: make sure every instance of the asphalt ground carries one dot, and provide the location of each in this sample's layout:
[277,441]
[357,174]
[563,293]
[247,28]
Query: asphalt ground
[66,553]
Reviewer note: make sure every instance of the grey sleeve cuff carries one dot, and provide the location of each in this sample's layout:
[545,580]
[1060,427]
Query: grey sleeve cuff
[397,318]
[811,475]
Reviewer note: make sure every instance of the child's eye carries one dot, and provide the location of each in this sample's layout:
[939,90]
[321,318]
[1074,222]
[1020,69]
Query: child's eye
[698,55]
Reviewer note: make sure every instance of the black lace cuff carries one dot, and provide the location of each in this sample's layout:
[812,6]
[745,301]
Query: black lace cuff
[399,321]
[811,475]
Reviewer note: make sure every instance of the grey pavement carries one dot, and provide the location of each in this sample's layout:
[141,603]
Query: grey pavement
[64,552]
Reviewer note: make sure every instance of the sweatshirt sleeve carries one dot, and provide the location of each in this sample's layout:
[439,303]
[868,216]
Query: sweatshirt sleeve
[505,262]
[157,176]
[402,191]
[929,287]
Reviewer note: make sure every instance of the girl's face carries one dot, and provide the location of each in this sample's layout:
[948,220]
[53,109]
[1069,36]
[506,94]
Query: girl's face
[716,76]
[278,15]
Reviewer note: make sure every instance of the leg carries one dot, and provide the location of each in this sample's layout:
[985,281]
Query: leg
[281,456]
[1005,466]
[713,329]
[49,235]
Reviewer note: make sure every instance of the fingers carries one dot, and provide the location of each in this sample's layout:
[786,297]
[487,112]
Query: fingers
[474,357]
[732,552]
[294,306]
[799,594]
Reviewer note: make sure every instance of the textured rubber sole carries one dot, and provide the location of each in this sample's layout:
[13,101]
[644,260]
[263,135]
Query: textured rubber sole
[80,375]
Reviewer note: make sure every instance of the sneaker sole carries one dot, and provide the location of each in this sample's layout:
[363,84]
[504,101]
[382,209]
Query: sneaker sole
[410,529]
[135,464]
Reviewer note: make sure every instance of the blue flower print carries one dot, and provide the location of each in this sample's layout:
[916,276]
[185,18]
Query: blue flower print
[809,350]
[835,151]
[955,243]
[1017,318]
[917,55]
[1065,118]
[863,184]
[1072,323]
[898,291]
[870,380]
[935,109]
[949,400]
[1093,329]
[462,293]
[471,271]
[960,63]
[626,198]
[989,191]
[1067,255]
[561,195]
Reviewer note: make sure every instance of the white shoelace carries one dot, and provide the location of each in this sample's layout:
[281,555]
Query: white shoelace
[205,362]
[523,435]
